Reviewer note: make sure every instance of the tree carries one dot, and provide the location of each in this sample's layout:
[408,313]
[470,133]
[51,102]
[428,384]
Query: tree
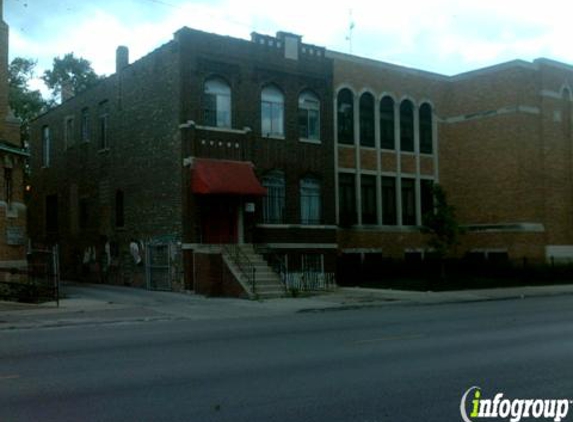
[75,71]
[442,226]
[24,102]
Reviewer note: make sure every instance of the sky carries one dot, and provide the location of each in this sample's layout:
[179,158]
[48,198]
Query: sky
[443,36]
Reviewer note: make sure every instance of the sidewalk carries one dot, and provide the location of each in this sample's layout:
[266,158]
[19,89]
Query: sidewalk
[101,304]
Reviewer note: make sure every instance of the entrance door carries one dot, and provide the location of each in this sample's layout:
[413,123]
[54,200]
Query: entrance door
[219,221]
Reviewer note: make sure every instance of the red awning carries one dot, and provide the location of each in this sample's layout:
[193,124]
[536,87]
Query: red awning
[220,177]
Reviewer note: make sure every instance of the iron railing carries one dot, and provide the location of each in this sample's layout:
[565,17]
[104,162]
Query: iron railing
[243,264]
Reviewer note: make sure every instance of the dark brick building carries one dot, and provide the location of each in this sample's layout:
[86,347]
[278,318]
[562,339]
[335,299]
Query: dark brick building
[208,140]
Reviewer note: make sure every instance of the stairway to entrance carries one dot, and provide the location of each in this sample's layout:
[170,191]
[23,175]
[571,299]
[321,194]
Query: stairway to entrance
[252,271]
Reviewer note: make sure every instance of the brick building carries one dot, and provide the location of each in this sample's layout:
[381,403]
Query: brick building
[497,139]
[208,140]
[12,165]
[319,159]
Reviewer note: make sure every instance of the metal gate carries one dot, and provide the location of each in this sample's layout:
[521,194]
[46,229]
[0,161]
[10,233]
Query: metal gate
[160,257]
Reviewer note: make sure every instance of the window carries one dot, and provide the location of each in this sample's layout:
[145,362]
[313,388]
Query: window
[427,196]
[45,146]
[272,112]
[426,129]
[274,202]
[347,199]
[407,126]
[367,120]
[368,191]
[69,132]
[408,202]
[119,209]
[310,201]
[309,116]
[345,115]
[84,213]
[52,213]
[387,123]
[217,103]
[389,201]
[85,125]
[103,125]
[8,186]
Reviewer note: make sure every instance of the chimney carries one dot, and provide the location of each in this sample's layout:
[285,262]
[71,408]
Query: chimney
[121,58]
[67,90]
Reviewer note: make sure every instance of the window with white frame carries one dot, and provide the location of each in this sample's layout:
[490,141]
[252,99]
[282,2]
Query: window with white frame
[45,146]
[310,201]
[272,112]
[309,116]
[274,202]
[217,103]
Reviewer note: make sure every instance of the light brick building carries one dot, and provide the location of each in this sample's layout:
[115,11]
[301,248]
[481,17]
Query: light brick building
[497,139]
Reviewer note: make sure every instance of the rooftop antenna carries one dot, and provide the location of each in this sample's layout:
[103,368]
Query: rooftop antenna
[350,28]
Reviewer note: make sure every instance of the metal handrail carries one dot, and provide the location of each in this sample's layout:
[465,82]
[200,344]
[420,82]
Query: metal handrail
[243,263]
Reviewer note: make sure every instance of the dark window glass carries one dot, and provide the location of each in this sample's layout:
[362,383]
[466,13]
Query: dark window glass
[426,129]
[85,125]
[274,202]
[347,199]
[367,120]
[84,213]
[103,125]
[407,126]
[345,117]
[119,209]
[387,123]
[426,191]
[389,201]
[368,193]
[52,213]
[408,202]
[45,146]
[8,188]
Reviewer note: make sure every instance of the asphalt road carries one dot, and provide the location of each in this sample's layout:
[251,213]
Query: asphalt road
[397,363]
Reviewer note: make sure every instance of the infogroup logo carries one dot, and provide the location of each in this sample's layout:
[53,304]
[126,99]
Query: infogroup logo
[511,409]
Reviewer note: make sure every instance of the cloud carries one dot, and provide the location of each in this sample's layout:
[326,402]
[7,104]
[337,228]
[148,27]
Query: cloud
[445,36]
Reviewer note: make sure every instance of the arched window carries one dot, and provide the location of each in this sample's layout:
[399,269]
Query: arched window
[309,116]
[426,128]
[387,123]
[274,202]
[407,126]
[345,115]
[566,112]
[217,103]
[310,200]
[367,120]
[272,112]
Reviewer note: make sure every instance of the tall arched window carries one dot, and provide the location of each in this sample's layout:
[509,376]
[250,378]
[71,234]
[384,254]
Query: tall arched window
[272,111]
[274,202]
[367,120]
[407,126]
[426,128]
[345,115]
[387,123]
[566,112]
[309,116]
[310,200]
[217,103]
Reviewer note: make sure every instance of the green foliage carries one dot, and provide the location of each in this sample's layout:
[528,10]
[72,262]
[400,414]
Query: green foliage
[24,102]
[75,71]
[441,225]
